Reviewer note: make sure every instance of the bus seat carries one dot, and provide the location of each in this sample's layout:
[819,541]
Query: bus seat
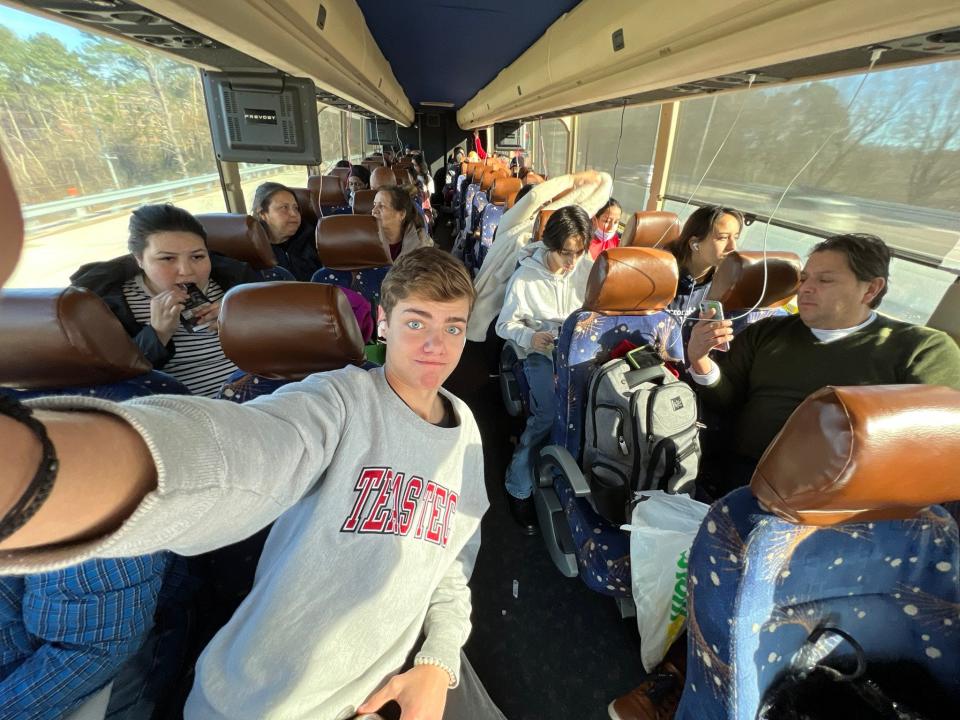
[327,195]
[241,237]
[831,531]
[739,280]
[68,342]
[372,164]
[540,224]
[344,174]
[353,255]
[500,192]
[382,177]
[652,228]
[308,211]
[503,187]
[627,293]
[363,202]
[400,174]
[276,333]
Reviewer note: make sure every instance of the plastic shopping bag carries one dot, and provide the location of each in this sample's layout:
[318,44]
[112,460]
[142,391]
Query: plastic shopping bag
[662,529]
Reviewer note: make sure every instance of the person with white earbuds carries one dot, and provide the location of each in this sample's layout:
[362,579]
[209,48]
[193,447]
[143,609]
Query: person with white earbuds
[708,236]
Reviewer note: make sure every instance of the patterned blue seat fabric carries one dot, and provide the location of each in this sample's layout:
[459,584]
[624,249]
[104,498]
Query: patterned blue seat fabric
[758,585]
[763,577]
[586,339]
[626,295]
[276,273]
[352,255]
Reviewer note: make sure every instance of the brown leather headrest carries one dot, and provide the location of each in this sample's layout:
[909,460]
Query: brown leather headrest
[851,454]
[739,279]
[240,237]
[651,229]
[401,175]
[372,165]
[381,177]
[489,177]
[289,330]
[541,223]
[341,172]
[308,213]
[61,337]
[531,178]
[327,190]
[511,200]
[11,234]
[363,202]
[631,281]
[478,171]
[351,242]
[503,188]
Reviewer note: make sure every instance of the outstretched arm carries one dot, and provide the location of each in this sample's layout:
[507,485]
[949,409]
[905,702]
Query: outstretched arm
[168,472]
[91,497]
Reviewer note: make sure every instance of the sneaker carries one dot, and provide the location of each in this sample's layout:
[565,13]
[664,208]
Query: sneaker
[524,512]
[656,698]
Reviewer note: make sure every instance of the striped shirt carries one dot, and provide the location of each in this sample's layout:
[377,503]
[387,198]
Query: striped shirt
[199,362]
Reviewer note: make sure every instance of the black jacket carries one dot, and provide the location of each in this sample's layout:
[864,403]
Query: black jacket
[685,305]
[106,279]
[299,253]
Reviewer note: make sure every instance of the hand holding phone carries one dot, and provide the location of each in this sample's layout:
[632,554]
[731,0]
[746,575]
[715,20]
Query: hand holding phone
[195,299]
[705,307]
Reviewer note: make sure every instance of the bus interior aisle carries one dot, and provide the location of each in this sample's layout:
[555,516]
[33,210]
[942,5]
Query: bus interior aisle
[544,645]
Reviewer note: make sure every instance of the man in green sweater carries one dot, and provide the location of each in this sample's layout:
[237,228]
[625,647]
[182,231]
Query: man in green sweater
[836,339]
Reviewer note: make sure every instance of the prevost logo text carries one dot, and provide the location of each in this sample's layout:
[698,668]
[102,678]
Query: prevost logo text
[262,117]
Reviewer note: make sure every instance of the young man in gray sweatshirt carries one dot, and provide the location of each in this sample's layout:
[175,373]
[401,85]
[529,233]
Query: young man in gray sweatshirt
[374,481]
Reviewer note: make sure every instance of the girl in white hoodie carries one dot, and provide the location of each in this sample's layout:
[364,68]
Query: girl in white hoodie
[546,288]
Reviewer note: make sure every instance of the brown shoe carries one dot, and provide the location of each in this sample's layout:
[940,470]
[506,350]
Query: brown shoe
[656,698]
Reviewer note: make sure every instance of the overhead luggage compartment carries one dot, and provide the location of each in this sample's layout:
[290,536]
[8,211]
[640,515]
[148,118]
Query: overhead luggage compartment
[650,50]
[326,41]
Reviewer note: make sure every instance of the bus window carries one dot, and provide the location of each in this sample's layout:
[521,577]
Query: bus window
[93,128]
[330,147]
[915,289]
[253,175]
[597,139]
[891,169]
[552,145]
[355,138]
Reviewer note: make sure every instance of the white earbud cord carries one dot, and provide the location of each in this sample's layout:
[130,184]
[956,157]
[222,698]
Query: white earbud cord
[753,77]
[874,57]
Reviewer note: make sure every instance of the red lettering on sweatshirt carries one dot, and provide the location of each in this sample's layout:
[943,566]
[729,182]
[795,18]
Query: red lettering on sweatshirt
[380,519]
[408,506]
[435,527]
[368,476]
[426,506]
[388,503]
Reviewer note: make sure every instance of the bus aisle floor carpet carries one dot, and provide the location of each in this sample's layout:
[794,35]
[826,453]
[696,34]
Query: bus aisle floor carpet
[557,651]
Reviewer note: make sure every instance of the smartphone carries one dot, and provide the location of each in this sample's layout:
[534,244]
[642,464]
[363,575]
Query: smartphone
[708,305]
[195,299]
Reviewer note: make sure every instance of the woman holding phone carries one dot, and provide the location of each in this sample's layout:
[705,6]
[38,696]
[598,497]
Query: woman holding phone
[166,293]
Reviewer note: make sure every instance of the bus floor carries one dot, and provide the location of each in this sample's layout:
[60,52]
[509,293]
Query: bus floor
[556,651]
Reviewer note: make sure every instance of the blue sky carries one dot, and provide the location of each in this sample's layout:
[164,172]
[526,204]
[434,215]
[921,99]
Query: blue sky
[25,24]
